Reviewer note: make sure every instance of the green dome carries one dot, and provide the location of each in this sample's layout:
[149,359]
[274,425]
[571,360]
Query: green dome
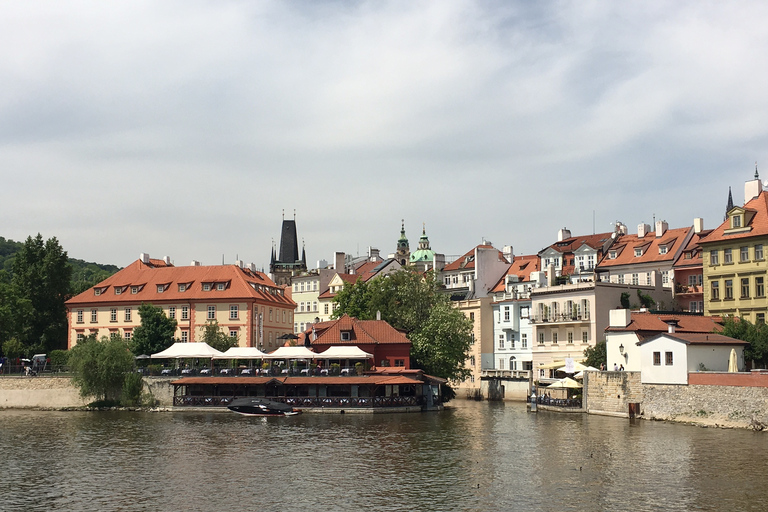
[423,255]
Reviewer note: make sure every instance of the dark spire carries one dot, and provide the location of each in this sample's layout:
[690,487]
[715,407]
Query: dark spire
[729,206]
[757,176]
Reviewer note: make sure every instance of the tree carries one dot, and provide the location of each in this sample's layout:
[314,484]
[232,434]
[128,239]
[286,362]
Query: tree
[42,275]
[156,332]
[755,334]
[99,368]
[216,338]
[412,302]
[597,355]
[15,311]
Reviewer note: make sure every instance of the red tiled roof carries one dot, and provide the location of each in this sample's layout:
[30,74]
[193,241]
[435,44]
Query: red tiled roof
[691,256]
[651,323]
[758,223]
[240,283]
[361,332]
[571,244]
[366,379]
[521,266]
[626,244]
[699,339]
[467,261]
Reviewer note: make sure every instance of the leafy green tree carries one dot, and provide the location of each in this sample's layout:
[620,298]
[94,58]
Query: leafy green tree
[441,344]
[156,332]
[42,274]
[15,311]
[412,302]
[99,368]
[597,355]
[755,334]
[216,338]
[13,348]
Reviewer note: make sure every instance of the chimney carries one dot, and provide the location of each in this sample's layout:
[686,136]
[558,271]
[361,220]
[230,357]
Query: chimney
[239,263]
[698,225]
[195,263]
[619,318]
[661,228]
[642,230]
[563,234]
[509,254]
[373,254]
[144,257]
[671,325]
[167,260]
[378,315]
[339,262]
[752,188]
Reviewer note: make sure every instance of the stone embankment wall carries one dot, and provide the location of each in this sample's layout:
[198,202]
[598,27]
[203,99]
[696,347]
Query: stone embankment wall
[505,389]
[47,392]
[716,404]
[610,393]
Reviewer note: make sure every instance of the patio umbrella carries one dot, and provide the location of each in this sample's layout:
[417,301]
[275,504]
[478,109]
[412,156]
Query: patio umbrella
[733,365]
[580,375]
[577,367]
[567,382]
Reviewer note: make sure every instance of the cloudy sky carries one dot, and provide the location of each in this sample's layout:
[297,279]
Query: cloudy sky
[185,128]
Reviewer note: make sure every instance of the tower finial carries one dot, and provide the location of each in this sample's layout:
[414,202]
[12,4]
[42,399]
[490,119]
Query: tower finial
[283,213]
[757,177]
[423,228]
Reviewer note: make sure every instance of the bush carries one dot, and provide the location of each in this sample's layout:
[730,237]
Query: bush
[155,369]
[132,387]
[335,369]
[59,358]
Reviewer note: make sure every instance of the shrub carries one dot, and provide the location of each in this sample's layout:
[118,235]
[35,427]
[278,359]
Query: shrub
[132,387]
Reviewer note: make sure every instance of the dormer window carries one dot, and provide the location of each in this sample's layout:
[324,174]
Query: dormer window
[662,249]
[736,221]
[97,291]
[206,287]
[345,336]
[134,290]
[118,290]
[638,252]
[220,286]
[612,255]
[160,288]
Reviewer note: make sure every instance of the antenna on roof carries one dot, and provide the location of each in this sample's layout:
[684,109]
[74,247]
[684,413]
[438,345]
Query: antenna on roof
[283,213]
[294,214]
[222,258]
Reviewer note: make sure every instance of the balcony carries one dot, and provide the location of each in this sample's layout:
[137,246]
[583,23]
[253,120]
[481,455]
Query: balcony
[506,374]
[563,318]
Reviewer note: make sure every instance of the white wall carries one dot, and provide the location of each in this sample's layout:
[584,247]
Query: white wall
[677,373]
[714,358]
[631,361]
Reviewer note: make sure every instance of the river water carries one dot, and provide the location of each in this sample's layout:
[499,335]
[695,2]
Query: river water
[475,456]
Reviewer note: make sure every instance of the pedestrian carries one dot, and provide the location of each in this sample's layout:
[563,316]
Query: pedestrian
[621,368]
[615,367]
[602,367]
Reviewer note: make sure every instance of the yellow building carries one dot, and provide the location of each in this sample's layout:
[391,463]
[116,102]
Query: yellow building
[246,303]
[734,259]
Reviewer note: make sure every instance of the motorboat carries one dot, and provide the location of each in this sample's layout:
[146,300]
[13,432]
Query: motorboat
[261,407]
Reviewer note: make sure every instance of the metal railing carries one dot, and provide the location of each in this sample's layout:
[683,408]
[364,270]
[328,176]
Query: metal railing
[306,401]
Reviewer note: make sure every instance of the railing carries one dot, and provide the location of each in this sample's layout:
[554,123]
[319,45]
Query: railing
[506,374]
[558,402]
[539,319]
[306,401]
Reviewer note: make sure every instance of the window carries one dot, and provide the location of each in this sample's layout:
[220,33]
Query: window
[325,308]
[127,314]
[233,312]
[301,286]
[621,278]
[314,306]
[206,287]
[127,335]
[472,316]
[501,341]
[93,316]
[270,314]
[182,287]
[134,290]
[728,289]
[728,256]
[554,338]
[638,252]
[648,278]
[113,315]
[80,337]
[635,279]
[185,312]
[541,338]
[506,313]
[345,336]
[759,287]
[525,312]
[693,307]
[668,358]
[172,312]
[160,288]
[211,312]
[118,290]
[184,336]
[400,362]
[97,291]
[665,277]
[511,340]
[472,338]
[79,316]
[657,359]
[714,258]
[760,318]
[585,337]
[612,255]
[523,340]
[301,307]
[759,252]
[301,326]
[472,360]
[662,249]
[744,253]
[570,337]
[715,290]
[295,327]
[745,288]
[220,287]
[233,333]
[736,221]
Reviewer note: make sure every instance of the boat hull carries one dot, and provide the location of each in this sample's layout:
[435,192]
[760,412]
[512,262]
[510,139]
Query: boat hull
[261,407]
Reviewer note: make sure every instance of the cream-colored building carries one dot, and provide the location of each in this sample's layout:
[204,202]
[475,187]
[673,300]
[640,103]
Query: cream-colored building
[245,302]
[480,312]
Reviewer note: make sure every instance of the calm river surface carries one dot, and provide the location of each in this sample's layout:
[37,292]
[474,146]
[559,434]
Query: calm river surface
[476,456]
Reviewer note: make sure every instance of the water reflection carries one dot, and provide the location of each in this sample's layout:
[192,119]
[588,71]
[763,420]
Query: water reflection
[476,456]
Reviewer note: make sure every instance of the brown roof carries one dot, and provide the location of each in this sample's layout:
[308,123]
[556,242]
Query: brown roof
[571,244]
[365,379]
[239,283]
[698,339]
[625,247]
[649,324]
[467,261]
[362,332]
[521,266]
[691,256]
[758,223]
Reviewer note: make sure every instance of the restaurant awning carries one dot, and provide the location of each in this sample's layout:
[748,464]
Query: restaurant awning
[291,353]
[343,352]
[241,353]
[187,350]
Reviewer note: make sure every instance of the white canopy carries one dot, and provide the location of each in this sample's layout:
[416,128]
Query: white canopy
[344,352]
[565,383]
[291,353]
[577,367]
[185,350]
[580,375]
[241,353]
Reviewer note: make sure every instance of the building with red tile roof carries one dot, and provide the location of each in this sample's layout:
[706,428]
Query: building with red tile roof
[734,261]
[574,258]
[473,274]
[689,272]
[246,303]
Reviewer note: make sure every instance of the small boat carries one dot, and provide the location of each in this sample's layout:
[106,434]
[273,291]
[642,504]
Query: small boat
[261,407]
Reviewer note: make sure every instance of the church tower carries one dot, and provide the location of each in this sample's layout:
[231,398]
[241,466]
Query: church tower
[403,253]
[287,263]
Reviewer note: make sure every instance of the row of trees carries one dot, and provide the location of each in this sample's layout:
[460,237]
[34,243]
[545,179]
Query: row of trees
[441,335]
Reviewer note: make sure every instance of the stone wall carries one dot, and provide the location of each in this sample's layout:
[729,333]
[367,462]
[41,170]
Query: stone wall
[59,393]
[610,393]
[725,406]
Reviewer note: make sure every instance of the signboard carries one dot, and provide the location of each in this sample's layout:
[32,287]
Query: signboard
[569,366]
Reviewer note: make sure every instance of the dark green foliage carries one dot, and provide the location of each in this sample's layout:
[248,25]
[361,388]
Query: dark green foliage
[411,302]
[156,332]
[41,276]
[596,355]
[99,367]
[216,338]
[624,300]
[132,387]
[58,358]
[13,348]
[755,334]
[646,301]
[87,274]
